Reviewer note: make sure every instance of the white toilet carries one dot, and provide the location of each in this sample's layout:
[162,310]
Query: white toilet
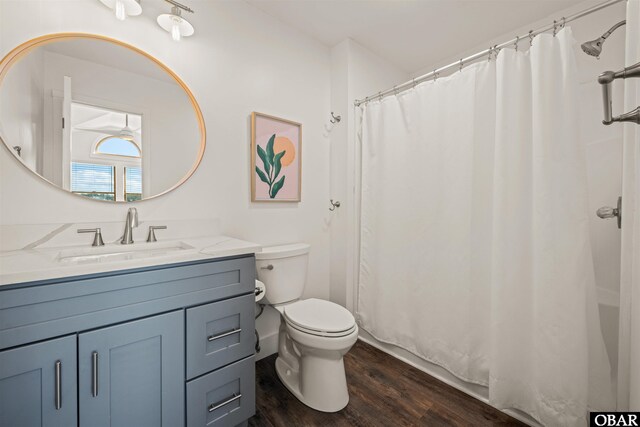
[314,334]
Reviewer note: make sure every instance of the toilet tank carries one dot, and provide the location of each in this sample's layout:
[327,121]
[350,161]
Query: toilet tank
[283,270]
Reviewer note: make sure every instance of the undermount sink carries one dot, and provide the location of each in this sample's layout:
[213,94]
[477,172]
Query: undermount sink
[117,252]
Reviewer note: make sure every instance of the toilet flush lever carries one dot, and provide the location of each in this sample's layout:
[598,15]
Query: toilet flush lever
[267,267]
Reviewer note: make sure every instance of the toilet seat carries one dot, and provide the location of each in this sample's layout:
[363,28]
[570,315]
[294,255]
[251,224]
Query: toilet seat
[319,317]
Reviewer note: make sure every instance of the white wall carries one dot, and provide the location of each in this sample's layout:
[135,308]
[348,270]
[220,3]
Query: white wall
[355,73]
[21,110]
[239,60]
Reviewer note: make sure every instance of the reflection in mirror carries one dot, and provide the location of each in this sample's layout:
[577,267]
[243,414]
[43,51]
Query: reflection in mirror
[98,118]
[106,159]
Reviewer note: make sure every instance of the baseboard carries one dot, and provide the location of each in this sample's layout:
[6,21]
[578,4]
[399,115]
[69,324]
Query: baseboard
[473,390]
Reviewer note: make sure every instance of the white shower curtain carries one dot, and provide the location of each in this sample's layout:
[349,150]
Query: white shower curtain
[475,250]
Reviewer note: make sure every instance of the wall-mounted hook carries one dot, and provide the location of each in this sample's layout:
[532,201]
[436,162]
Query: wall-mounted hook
[18,150]
[334,205]
[335,119]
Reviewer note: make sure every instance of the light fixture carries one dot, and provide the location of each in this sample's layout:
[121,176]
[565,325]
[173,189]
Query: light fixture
[126,132]
[174,23]
[124,8]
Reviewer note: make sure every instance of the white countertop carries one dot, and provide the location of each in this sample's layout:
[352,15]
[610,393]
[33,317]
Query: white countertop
[28,265]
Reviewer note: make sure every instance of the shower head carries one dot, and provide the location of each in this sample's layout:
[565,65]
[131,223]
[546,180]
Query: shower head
[594,47]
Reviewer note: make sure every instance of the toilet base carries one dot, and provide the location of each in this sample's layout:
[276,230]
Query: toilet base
[318,396]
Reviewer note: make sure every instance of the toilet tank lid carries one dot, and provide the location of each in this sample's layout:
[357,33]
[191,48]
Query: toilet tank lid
[283,251]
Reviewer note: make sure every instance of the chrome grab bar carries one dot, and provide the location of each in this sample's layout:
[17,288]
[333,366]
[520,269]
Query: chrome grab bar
[606,79]
[224,334]
[233,398]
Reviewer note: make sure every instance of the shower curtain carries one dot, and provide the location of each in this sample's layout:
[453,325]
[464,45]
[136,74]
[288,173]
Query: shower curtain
[475,249]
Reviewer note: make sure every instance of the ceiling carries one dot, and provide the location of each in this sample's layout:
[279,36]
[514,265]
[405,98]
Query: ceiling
[412,34]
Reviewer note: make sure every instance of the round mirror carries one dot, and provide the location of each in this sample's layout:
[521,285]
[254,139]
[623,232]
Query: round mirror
[99,118]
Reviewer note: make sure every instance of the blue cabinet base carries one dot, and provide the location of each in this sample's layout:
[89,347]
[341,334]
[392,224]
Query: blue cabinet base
[112,350]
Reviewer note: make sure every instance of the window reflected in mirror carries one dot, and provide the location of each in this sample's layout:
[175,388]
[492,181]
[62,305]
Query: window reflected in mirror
[106,154]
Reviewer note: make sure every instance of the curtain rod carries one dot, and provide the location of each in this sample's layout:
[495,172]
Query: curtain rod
[555,26]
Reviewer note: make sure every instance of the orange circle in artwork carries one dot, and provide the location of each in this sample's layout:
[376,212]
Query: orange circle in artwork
[282,143]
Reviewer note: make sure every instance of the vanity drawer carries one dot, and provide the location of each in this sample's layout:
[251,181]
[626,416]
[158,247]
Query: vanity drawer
[222,398]
[219,333]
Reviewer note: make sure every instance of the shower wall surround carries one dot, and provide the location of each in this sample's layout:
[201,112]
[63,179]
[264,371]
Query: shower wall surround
[229,66]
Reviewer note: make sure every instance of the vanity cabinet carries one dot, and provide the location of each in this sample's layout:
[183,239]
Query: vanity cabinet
[38,384]
[169,345]
[133,374]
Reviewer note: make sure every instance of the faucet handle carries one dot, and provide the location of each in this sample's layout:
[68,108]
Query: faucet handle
[97,238]
[152,234]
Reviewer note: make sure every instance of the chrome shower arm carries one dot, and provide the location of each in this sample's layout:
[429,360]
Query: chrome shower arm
[612,29]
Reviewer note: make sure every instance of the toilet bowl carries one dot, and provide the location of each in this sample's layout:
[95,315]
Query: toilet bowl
[314,334]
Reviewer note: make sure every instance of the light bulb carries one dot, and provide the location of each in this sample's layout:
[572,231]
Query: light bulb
[175,29]
[121,14]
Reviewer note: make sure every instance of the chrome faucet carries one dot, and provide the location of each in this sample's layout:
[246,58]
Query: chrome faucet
[131,223]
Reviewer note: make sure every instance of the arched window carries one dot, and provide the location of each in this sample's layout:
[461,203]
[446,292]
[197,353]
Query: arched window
[116,146]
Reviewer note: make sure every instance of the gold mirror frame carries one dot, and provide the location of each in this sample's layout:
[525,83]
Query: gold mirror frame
[23,49]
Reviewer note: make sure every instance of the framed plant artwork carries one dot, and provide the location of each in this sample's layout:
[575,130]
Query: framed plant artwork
[276,159]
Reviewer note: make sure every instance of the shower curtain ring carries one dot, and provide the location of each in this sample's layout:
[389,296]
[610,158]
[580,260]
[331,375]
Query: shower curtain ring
[555,28]
[515,44]
[530,37]
[564,22]
[489,55]
[460,65]
[435,75]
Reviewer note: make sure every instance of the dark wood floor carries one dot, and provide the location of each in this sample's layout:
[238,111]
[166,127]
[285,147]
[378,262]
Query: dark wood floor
[383,392]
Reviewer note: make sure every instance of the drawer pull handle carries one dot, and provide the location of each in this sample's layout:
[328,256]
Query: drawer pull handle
[58,385]
[94,366]
[235,397]
[224,334]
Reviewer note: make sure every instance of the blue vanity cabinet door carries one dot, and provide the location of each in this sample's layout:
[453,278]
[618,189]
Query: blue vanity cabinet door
[38,384]
[132,374]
